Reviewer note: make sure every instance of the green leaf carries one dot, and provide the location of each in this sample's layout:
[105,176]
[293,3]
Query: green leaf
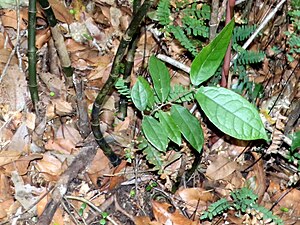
[208,60]
[149,91]
[295,141]
[139,94]
[160,77]
[169,125]
[231,113]
[155,133]
[189,126]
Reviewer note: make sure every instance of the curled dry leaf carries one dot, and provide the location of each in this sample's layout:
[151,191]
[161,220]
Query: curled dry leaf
[196,199]
[166,214]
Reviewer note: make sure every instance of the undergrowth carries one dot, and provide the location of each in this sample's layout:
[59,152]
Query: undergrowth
[243,201]
[188,23]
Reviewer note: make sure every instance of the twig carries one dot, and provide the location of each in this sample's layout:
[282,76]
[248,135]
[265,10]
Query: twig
[83,159]
[91,205]
[174,62]
[261,26]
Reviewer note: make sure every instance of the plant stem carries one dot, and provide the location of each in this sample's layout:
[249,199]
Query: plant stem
[109,84]
[32,52]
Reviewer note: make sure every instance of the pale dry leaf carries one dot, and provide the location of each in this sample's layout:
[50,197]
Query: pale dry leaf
[23,193]
[220,168]
[94,29]
[62,107]
[21,140]
[13,89]
[30,120]
[115,15]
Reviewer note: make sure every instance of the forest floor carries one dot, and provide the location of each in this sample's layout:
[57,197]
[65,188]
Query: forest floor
[39,182]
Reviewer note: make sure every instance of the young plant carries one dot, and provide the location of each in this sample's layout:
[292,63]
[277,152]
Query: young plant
[165,119]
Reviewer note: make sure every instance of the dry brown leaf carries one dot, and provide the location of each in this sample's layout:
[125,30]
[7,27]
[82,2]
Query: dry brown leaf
[165,213]
[196,199]
[21,165]
[257,177]
[98,167]
[5,192]
[220,168]
[61,107]
[9,18]
[50,166]
[61,12]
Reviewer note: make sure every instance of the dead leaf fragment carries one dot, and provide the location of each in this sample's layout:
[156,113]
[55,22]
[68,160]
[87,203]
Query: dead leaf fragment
[166,214]
[220,168]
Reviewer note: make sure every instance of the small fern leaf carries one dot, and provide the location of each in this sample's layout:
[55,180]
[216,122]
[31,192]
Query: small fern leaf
[163,12]
[122,88]
[242,32]
[215,209]
[183,39]
[248,57]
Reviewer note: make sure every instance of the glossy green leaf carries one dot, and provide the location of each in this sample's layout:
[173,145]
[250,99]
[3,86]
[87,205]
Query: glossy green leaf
[149,91]
[295,141]
[139,94]
[169,125]
[231,113]
[160,77]
[208,60]
[155,133]
[189,126]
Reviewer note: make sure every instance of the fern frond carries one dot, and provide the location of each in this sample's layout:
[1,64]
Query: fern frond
[195,27]
[215,209]
[122,88]
[163,12]
[180,94]
[183,39]
[242,32]
[248,57]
